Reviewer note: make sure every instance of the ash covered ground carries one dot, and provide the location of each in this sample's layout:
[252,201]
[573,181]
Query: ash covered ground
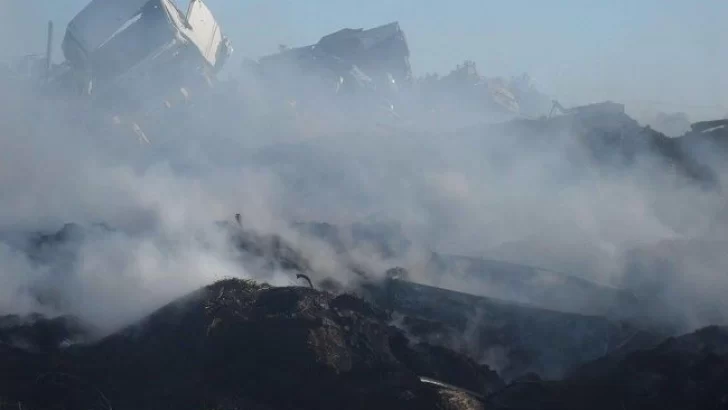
[321,229]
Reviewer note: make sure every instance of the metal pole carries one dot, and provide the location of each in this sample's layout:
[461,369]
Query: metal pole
[49,49]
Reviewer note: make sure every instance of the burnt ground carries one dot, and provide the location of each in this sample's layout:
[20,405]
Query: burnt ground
[240,345]
[236,345]
[687,372]
[516,340]
[36,333]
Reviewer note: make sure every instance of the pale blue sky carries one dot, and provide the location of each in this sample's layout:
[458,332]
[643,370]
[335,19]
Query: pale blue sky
[673,51]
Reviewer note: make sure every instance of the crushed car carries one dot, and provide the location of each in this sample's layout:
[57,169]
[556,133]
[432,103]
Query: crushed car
[133,61]
[363,68]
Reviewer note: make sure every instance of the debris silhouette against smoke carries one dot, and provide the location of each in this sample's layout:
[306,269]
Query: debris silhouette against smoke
[339,132]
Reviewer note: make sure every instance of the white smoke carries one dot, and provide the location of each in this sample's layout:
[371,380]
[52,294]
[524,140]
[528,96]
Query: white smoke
[538,202]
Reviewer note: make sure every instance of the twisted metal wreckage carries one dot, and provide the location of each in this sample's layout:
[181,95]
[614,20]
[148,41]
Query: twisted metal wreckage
[132,62]
[130,59]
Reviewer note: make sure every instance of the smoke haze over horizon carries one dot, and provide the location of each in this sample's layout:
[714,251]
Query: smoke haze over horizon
[652,56]
[542,202]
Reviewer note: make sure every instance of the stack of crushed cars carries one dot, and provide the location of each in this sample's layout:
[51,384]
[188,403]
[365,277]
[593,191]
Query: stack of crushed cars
[132,61]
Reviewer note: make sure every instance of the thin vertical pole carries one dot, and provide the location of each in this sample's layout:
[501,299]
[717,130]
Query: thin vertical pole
[49,48]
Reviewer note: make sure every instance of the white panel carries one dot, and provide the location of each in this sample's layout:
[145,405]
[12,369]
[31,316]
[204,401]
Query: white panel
[206,32]
[178,19]
[100,19]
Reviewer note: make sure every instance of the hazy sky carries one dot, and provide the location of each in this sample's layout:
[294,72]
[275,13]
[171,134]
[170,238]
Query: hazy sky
[668,51]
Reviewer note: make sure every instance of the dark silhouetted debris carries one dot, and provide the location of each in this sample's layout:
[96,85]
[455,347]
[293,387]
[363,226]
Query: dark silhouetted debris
[513,339]
[37,334]
[306,278]
[708,126]
[349,74]
[271,348]
[534,286]
[375,341]
[280,348]
[613,138]
[690,371]
[381,52]
[265,251]
[502,280]
[132,62]
[239,343]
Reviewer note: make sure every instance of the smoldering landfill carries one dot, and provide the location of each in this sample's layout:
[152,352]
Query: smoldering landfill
[445,242]
[352,79]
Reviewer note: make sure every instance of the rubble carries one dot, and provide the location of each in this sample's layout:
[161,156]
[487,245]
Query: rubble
[613,138]
[393,342]
[530,285]
[38,334]
[132,61]
[715,130]
[683,372]
[271,348]
[102,45]
[405,345]
[381,52]
[253,346]
[508,321]
[349,79]
[354,73]
[465,91]
[515,339]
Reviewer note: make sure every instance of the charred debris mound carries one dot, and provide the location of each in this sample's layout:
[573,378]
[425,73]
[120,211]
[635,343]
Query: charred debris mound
[37,334]
[687,372]
[236,344]
[609,136]
[391,343]
[516,340]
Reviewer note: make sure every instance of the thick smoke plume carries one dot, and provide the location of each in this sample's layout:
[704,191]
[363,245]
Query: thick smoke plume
[542,203]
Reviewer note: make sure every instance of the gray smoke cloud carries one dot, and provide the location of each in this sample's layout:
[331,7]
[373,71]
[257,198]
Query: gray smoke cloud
[538,203]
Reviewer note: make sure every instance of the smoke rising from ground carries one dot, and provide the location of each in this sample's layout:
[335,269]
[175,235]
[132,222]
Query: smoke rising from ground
[542,203]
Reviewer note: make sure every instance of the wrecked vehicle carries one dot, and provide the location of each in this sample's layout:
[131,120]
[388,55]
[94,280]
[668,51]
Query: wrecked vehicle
[367,68]
[381,54]
[368,73]
[132,60]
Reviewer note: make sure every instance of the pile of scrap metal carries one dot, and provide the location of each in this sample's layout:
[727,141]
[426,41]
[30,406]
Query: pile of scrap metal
[465,93]
[133,59]
[368,71]
[366,67]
